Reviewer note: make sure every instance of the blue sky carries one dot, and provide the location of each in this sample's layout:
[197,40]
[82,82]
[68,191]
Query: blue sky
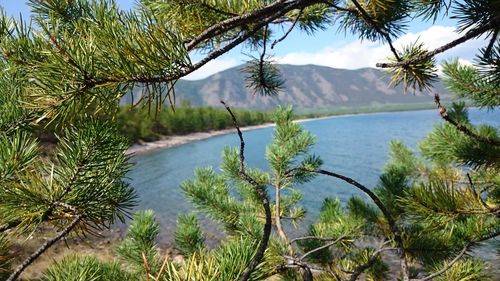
[329,47]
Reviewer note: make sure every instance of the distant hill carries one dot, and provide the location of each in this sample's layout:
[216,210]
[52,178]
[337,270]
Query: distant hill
[306,87]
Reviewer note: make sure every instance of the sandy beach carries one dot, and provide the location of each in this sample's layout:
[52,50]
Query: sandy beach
[171,141]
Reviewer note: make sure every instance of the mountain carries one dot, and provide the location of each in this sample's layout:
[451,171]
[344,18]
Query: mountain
[306,87]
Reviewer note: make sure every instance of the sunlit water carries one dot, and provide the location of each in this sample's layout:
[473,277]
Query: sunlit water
[355,146]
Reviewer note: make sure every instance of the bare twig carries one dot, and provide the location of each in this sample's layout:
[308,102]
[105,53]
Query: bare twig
[162,268]
[262,196]
[462,128]
[145,265]
[467,36]
[390,220]
[311,238]
[43,248]
[343,9]
[478,196]
[322,247]
[294,23]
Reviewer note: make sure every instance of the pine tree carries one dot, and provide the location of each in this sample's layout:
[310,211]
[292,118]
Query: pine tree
[66,69]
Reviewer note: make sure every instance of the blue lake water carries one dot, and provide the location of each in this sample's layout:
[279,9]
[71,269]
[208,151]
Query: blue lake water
[355,146]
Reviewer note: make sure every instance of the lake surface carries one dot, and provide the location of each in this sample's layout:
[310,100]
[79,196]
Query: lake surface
[355,146]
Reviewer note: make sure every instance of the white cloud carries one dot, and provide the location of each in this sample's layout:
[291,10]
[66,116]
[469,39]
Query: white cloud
[212,67]
[358,54]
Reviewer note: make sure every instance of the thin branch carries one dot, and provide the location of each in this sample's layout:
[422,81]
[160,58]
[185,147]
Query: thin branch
[390,220]
[262,196]
[476,194]
[294,23]
[223,26]
[217,10]
[467,36]
[448,265]
[43,248]
[380,30]
[162,268]
[294,262]
[462,128]
[487,52]
[327,245]
[343,9]
[145,265]
[312,238]
[457,257]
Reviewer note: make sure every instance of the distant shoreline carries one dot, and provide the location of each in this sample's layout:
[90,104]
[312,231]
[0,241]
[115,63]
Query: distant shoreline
[177,140]
[173,141]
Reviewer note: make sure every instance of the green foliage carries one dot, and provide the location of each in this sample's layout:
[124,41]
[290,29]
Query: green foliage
[464,81]
[474,13]
[5,257]
[85,268]
[233,257]
[210,193]
[263,77]
[403,160]
[139,247]
[468,269]
[188,235]
[389,16]
[17,154]
[419,75]
[92,157]
[446,143]
[86,174]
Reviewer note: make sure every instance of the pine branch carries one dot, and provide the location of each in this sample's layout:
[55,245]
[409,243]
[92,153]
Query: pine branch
[468,36]
[462,128]
[262,196]
[381,31]
[211,56]
[267,11]
[390,220]
[19,269]
[360,269]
